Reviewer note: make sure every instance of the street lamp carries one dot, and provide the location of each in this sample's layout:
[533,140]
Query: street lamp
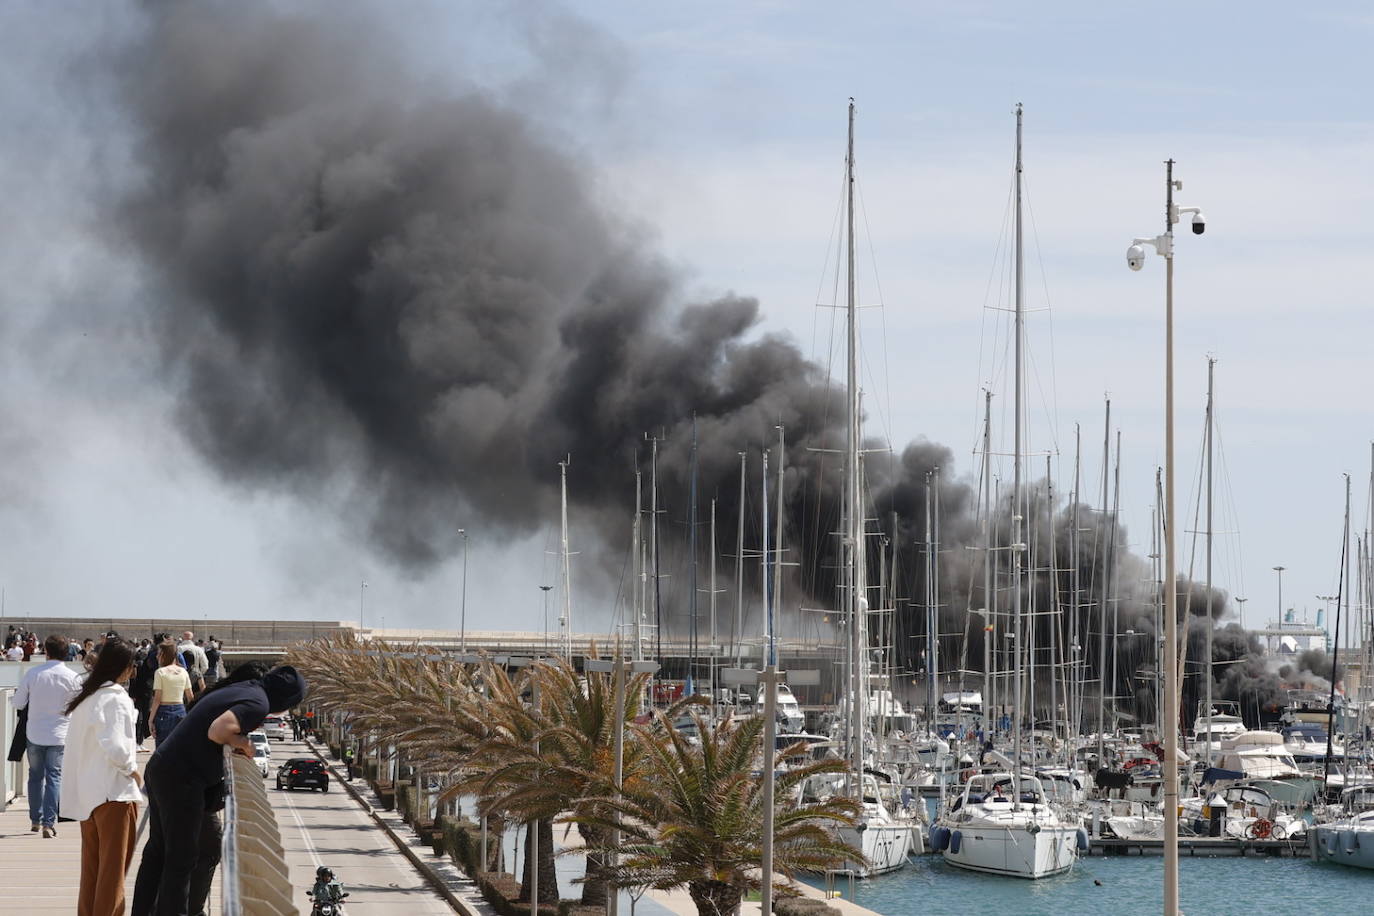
[1135,259]
[546,589]
[463,614]
[1241,611]
[768,680]
[1279,570]
[618,669]
[362,590]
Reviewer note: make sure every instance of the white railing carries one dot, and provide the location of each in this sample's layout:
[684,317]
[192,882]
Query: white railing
[253,876]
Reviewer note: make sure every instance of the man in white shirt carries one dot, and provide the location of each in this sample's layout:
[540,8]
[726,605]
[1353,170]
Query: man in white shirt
[46,690]
[196,662]
[14,653]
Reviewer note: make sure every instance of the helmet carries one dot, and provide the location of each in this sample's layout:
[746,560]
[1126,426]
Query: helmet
[324,873]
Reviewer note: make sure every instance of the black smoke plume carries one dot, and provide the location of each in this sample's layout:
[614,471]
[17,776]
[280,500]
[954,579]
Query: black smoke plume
[408,299]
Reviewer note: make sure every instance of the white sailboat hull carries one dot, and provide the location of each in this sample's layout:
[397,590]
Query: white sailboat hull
[1343,844]
[885,846]
[1014,850]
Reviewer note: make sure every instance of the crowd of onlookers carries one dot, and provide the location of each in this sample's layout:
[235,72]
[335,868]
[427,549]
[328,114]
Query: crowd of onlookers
[82,731]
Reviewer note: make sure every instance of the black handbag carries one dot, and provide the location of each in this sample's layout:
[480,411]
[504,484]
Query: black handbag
[20,742]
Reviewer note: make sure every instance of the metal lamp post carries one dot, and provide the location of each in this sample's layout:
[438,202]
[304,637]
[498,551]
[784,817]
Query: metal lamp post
[463,613]
[1135,259]
[619,668]
[1279,570]
[768,680]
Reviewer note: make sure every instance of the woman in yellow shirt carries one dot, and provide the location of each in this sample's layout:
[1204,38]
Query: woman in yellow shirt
[171,691]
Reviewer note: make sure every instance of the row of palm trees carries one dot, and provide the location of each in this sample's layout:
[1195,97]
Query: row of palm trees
[536,745]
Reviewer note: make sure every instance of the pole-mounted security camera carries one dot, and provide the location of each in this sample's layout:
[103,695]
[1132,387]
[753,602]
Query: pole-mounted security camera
[1199,223]
[1135,257]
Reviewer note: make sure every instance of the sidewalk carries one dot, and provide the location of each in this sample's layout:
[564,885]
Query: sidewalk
[42,876]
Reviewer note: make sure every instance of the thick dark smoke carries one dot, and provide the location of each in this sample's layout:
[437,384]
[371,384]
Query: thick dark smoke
[408,300]
[410,295]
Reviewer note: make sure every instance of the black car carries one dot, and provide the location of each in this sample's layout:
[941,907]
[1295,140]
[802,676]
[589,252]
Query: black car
[303,772]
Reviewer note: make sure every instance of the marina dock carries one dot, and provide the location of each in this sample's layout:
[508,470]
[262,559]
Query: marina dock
[1203,847]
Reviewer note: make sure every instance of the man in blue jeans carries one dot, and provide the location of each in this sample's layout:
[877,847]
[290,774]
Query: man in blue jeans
[46,690]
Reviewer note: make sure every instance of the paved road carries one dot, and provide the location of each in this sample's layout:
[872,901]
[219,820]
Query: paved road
[330,828]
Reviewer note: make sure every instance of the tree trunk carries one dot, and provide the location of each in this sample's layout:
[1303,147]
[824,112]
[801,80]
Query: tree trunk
[548,878]
[594,888]
[496,855]
[715,898]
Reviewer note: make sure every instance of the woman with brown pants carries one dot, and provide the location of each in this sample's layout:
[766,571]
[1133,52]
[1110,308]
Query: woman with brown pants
[101,788]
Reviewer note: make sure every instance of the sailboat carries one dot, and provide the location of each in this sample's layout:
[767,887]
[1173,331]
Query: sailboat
[1003,823]
[881,834]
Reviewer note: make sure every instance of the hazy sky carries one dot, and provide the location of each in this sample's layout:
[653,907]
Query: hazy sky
[718,128]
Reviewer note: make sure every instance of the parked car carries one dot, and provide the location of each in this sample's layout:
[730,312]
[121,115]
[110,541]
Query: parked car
[262,758]
[276,727]
[303,772]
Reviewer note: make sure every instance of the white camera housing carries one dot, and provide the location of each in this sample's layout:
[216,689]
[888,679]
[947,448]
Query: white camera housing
[1135,257]
[1199,223]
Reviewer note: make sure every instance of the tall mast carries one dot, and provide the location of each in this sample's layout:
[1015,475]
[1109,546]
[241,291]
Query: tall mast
[739,567]
[567,565]
[653,546]
[692,550]
[1207,668]
[1016,519]
[1054,604]
[1102,598]
[638,539]
[777,550]
[767,602]
[935,583]
[1336,631]
[932,647]
[1111,577]
[989,630]
[853,546]
[1075,647]
[714,643]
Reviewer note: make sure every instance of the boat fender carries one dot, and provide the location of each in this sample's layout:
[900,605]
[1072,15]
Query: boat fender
[1349,841]
[1083,843]
[955,841]
[1033,828]
[939,838]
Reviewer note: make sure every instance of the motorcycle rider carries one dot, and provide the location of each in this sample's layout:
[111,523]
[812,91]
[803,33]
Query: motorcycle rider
[327,888]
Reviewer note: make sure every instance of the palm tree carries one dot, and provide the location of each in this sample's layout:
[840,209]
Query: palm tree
[692,814]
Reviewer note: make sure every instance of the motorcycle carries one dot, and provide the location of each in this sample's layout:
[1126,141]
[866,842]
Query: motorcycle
[327,894]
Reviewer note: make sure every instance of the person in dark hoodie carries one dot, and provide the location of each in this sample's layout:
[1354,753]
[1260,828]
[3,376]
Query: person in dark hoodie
[185,781]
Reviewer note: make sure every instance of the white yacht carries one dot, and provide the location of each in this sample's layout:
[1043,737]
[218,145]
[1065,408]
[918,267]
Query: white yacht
[1260,758]
[1212,727]
[994,828]
[1348,840]
[884,834]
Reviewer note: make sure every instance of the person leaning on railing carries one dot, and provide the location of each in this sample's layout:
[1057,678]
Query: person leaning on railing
[187,770]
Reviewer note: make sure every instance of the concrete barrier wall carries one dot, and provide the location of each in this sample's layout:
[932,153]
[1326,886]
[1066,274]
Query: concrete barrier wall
[254,878]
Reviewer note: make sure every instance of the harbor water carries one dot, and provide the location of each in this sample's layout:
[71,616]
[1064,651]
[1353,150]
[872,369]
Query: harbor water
[1207,887]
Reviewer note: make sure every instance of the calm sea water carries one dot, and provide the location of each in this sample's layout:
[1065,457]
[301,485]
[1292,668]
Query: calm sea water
[1208,887]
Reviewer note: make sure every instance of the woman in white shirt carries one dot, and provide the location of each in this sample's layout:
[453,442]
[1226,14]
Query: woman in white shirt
[100,780]
[171,693]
